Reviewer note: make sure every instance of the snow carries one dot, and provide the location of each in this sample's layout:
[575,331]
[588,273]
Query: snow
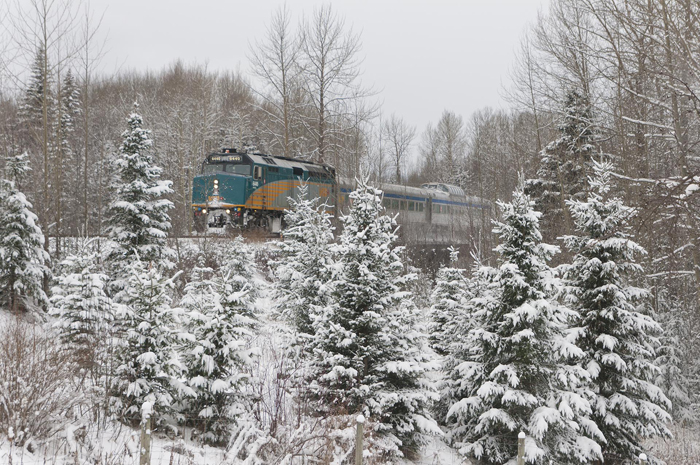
[146,410]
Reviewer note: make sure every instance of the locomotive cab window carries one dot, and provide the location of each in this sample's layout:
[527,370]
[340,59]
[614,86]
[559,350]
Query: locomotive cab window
[257,173]
[213,168]
[238,169]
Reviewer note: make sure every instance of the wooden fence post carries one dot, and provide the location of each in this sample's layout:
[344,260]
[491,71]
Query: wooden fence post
[146,411]
[642,459]
[521,448]
[358,439]
[11,437]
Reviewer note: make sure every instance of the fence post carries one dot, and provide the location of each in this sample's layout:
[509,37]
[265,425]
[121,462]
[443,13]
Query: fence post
[521,448]
[11,437]
[642,459]
[358,439]
[146,411]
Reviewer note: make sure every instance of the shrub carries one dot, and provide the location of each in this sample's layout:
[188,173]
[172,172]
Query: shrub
[37,392]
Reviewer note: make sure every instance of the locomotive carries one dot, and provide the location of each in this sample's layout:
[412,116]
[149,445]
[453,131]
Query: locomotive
[246,190]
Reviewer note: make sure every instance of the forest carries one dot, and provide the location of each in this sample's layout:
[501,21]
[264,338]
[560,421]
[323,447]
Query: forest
[267,351]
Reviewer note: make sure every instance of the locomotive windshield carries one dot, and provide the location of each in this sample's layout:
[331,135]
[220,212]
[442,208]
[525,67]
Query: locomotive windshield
[233,168]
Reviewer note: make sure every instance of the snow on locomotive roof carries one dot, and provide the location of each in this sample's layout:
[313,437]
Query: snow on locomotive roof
[309,166]
[439,186]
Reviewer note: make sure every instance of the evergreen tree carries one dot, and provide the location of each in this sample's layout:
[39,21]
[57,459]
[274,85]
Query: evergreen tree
[366,356]
[219,325]
[38,97]
[303,271]
[22,257]
[452,386]
[238,262]
[138,220]
[448,300]
[564,165]
[617,333]
[65,163]
[672,377]
[84,312]
[517,374]
[148,364]
[37,117]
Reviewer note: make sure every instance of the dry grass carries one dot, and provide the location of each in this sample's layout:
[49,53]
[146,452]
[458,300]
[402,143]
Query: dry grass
[683,449]
[37,392]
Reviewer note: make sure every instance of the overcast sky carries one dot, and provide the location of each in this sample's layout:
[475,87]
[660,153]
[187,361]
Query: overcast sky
[422,56]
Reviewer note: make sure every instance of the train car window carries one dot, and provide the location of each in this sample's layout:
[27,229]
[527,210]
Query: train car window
[394,204]
[238,169]
[403,205]
[411,206]
[211,169]
[420,206]
[386,203]
[257,172]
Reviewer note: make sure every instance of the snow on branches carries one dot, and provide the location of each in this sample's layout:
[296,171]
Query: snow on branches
[616,331]
[518,372]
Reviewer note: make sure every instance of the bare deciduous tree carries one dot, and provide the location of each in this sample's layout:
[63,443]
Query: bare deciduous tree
[398,136]
[274,62]
[330,74]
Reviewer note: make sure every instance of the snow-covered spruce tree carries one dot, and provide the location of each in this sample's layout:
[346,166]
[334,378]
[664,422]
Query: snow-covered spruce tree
[451,386]
[617,332]
[564,164]
[673,377]
[38,101]
[217,352]
[238,263]
[22,256]
[138,217]
[516,374]
[303,270]
[447,300]
[675,356]
[365,349]
[65,163]
[84,313]
[147,361]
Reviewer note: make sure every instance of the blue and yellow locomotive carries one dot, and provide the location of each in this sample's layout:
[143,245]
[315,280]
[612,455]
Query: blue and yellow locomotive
[253,190]
[244,190]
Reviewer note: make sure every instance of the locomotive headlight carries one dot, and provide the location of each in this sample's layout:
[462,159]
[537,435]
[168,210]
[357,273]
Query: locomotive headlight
[216,181]
[228,211]
[204,210]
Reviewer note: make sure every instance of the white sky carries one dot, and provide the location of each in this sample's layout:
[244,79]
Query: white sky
[423,56]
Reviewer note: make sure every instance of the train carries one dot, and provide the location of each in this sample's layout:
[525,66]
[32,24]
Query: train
[240,190]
